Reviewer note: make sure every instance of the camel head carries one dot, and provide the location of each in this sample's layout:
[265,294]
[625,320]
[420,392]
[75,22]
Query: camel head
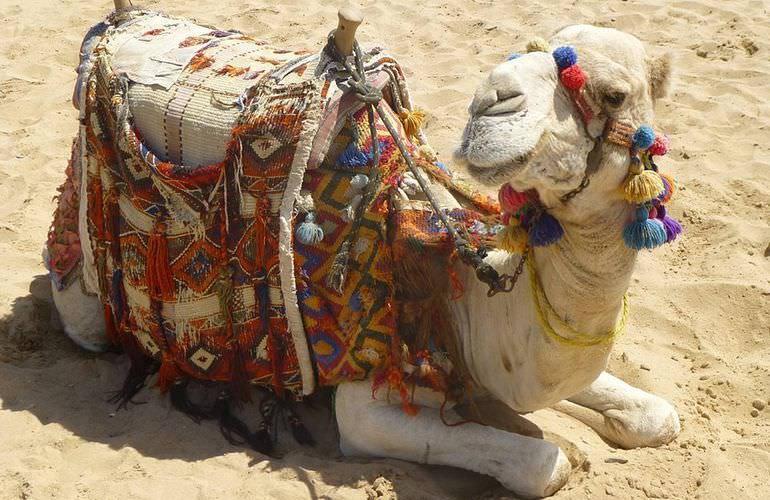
[526,129]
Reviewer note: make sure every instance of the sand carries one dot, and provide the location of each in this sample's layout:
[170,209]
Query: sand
[700,324]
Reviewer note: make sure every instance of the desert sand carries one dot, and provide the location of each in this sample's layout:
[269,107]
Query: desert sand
[699,333]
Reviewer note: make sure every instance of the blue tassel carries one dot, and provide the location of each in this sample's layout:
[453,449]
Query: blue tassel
[644,232]
[545,230]
[352,157]
[309,233]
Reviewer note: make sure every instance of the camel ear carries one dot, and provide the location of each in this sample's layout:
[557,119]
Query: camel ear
[659,74]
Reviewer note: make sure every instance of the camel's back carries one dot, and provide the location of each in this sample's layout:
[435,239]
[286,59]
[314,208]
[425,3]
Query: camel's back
[186,82]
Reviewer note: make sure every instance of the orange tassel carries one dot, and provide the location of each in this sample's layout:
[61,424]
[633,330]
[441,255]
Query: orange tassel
[200,61]
[159,281]
[396,381]
[168,373]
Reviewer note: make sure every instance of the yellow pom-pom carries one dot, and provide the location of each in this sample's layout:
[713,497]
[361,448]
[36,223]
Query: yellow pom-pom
[412,121]
[512,239]
[538,45]
[642,187]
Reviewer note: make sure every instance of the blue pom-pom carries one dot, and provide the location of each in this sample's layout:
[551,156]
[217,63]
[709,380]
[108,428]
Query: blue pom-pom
[644,137]
[644,233]
[545,231]
[513,56]
[565,57]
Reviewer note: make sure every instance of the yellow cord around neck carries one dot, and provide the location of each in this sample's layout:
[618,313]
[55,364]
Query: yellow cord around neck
[576,339]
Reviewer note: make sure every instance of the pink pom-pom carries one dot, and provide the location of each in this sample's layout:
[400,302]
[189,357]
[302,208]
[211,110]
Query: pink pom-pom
[510,199]
[660,145]
[573,77]
[653,213]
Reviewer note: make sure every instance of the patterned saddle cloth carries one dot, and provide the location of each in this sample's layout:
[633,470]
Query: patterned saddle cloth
[200,268]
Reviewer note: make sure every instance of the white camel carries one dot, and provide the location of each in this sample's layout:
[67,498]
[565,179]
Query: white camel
[524,129]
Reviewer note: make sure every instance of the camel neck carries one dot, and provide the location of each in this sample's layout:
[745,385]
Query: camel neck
[587,272]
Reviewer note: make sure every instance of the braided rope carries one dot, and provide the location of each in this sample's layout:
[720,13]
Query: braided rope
[544,309]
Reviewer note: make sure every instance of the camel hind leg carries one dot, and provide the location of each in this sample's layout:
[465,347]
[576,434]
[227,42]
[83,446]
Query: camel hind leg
[370,427]
[82,317]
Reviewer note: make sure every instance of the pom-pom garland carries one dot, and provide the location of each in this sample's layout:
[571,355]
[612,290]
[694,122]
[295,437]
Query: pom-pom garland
[527,223]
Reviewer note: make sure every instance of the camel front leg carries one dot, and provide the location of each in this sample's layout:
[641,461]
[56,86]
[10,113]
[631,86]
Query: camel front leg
[632,418]
[376,428]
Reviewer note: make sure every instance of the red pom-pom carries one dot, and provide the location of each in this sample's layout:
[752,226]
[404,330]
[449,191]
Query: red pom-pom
[573,77]
[653,213]
[510,199]
[660,145]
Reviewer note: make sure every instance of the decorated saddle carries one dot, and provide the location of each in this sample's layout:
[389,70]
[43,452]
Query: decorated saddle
[303,258]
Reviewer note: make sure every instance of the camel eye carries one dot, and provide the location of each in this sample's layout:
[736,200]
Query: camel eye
[615,99]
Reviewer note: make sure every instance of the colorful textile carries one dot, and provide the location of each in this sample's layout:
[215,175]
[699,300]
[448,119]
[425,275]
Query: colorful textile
[188,257]
[198,267]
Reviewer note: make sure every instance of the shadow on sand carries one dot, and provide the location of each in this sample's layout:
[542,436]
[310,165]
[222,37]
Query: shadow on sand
[42,372]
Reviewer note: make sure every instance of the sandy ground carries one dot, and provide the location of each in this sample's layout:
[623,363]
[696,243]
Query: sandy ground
[700,324]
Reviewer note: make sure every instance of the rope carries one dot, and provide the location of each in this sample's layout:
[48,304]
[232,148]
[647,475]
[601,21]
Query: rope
[372,97]
[544,309]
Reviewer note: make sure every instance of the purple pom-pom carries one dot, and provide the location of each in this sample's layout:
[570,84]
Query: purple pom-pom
[644,137]
[565,57]
[545,230]
[513,56]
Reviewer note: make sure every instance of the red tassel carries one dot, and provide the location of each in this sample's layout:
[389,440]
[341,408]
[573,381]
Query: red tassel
[168,373]
[95,206]
[159,281]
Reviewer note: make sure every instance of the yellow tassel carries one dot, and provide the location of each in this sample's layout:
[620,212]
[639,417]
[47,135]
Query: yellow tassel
[412,121]
[512,238]
[642,187]
[538,45]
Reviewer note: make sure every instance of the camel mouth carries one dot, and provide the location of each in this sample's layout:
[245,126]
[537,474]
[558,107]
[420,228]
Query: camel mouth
[497,174]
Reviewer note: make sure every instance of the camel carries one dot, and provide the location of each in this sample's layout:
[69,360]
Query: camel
[524,130]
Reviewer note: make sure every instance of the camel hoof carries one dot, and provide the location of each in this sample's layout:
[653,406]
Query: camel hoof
[654,422]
